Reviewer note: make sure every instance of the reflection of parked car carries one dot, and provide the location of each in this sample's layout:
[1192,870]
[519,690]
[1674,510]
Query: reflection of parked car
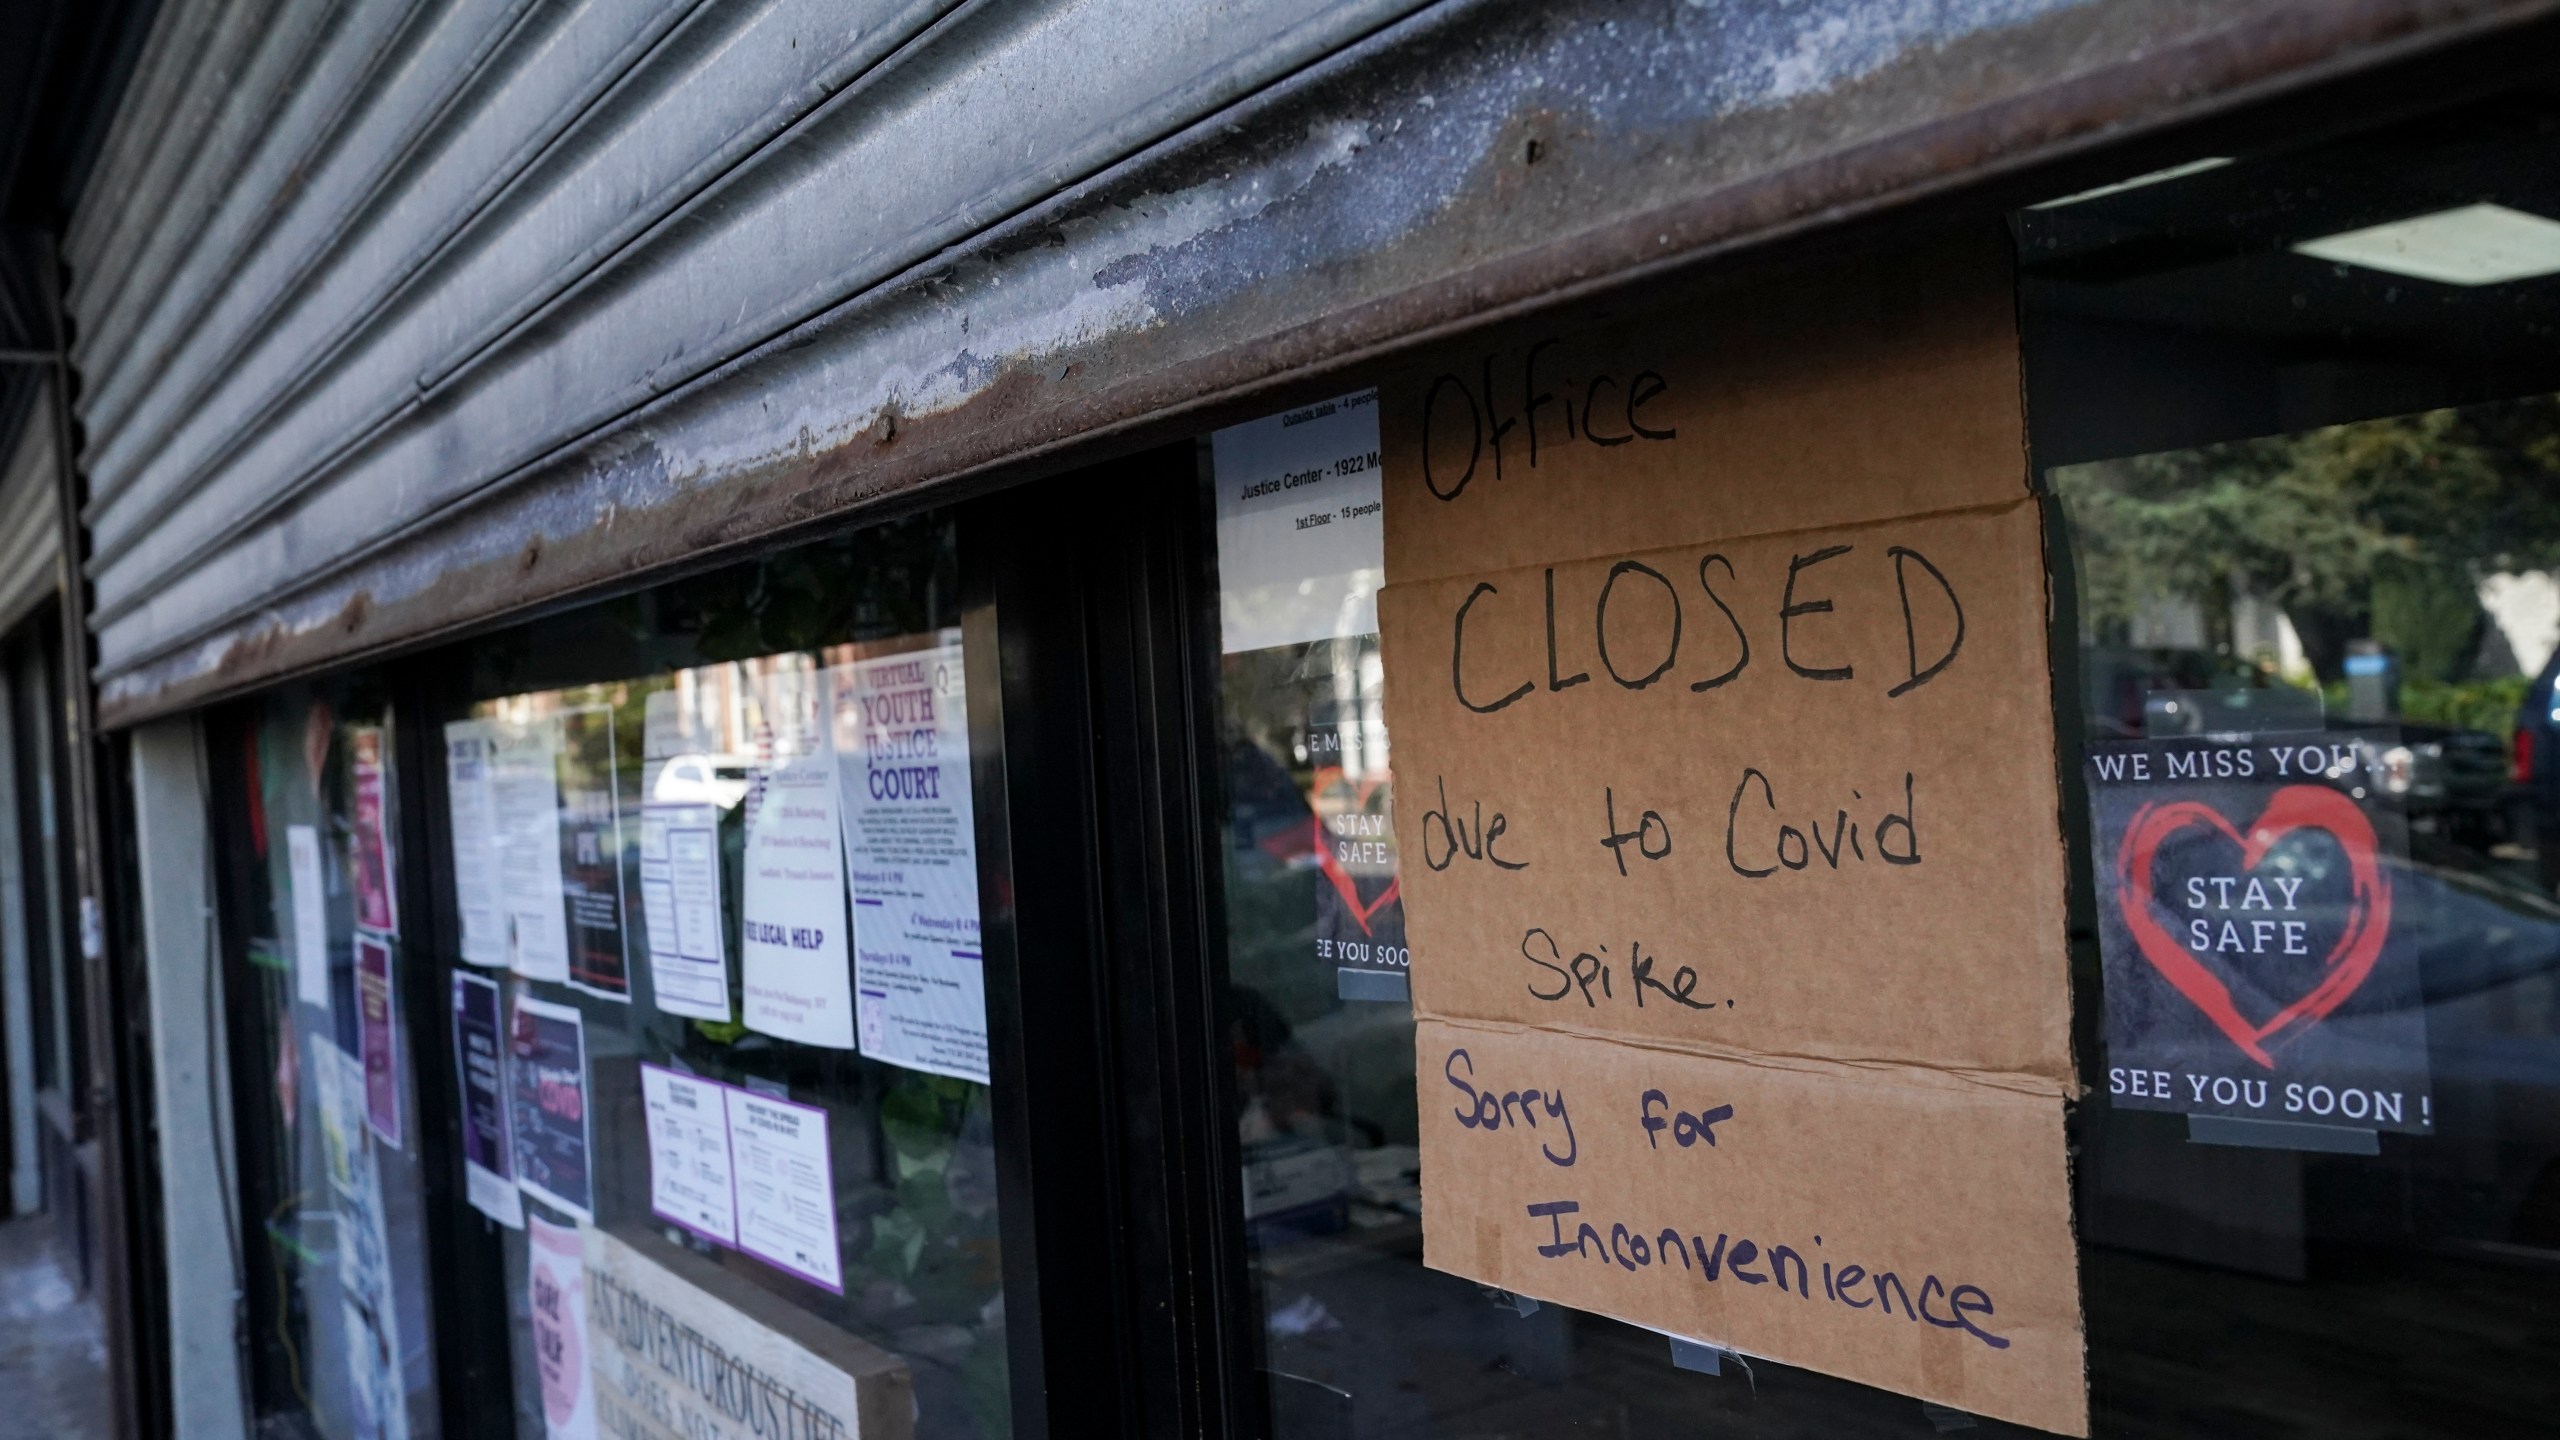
[702,780]
[1268,814]
[2120,682]
[2453,776]
[2456,776]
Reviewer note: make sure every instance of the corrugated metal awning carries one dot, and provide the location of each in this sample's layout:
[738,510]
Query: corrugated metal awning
[30,521]
[394,318]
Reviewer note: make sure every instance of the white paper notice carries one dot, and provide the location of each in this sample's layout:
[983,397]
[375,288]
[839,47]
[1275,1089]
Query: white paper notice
[798,975]
[689,1176]
[1301,548]
[470,746]
[786,1186]
[680,864]
[524,786]
[310,916]
[919,976]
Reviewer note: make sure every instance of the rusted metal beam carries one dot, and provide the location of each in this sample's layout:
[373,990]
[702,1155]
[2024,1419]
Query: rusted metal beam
[1472,162]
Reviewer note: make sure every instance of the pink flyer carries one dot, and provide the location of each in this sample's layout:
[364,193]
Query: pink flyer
[377,904]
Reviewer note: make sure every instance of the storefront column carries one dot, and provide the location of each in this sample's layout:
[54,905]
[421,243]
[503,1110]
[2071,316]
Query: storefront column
[190,1079]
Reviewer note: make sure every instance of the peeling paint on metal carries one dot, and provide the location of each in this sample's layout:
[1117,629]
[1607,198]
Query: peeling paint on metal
[1473,159]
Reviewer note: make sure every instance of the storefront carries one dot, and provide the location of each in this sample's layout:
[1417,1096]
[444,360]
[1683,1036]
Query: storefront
[1968,843]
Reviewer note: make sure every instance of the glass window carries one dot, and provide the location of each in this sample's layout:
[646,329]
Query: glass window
[2295,417]
[333,1185]
[2296,412]
[714,869]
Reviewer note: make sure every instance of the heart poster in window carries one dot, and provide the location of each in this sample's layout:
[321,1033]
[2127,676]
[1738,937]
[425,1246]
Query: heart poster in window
[2261,921]
[1359,900]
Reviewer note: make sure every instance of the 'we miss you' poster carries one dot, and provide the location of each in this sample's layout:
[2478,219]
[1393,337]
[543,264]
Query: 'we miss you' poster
[2257,929]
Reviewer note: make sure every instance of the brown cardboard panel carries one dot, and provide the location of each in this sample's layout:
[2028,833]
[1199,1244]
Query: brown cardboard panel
[1724,747]
[1955,1191]
[1830,398]
[1810,863]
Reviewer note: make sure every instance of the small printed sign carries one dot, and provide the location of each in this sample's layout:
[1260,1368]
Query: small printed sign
[378,1032]
[2253,907]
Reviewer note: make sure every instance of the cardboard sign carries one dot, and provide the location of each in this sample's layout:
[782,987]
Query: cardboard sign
[684,1350]
[1716,664]
[2254,908]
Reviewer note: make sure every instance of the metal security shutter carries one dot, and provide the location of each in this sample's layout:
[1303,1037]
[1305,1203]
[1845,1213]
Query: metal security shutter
[30,521]
[391,316]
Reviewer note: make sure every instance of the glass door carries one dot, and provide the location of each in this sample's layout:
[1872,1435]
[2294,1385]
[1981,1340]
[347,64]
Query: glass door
[336,1175]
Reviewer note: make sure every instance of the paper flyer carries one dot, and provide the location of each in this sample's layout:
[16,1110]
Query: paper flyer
[547,1111]
[470,747]
[785,1187]
[690,1178]
[310,915]
[902,732]
[480,1065]
[341,1123]
[361,1345]
[372,1340]
[591,854]
[798,977]
[1301,543]
[378,1035]
[682,797]
[377,899]
[524,788]
[556,1300]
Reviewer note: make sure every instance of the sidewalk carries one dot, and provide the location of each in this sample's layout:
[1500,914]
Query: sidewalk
[53,1363]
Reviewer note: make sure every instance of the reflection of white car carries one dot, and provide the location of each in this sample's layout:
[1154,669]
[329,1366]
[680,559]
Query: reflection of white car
[702,780]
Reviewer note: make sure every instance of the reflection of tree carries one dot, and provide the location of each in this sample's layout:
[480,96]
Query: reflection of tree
[2380,528]
[893,579]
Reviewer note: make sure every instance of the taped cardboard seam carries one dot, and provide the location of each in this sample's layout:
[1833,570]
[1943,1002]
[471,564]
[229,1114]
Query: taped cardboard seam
[2027,495]
[2074,874]
[1873,1071]
[1992,509]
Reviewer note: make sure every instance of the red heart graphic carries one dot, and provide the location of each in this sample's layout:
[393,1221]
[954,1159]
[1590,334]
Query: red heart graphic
[1348,888]
[2295,807]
